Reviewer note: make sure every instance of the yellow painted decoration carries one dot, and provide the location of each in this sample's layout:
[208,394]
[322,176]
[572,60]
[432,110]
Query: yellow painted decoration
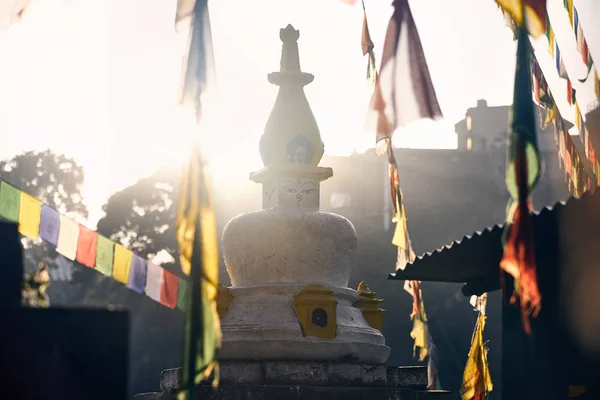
[224,300]
[369,305]
[30,211]
[121,263]
[316,309]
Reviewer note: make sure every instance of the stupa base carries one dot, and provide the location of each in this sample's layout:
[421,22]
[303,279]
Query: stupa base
[306,380]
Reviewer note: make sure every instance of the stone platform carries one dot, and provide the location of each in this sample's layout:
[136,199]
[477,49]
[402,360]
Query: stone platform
[306,380]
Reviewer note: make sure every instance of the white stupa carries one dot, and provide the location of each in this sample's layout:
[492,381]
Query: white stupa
[290,263]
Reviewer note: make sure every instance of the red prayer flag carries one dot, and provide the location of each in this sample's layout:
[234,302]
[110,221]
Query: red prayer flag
[86,246]
[169,289]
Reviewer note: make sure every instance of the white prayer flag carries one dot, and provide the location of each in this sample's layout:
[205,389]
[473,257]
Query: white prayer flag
[67,238]
[154,281]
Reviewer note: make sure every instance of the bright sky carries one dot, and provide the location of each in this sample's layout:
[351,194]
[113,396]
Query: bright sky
[98,79]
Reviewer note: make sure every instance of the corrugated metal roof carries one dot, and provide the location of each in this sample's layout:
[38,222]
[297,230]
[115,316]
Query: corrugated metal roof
[477,256]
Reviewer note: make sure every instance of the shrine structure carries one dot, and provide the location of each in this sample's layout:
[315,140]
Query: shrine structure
[292,329]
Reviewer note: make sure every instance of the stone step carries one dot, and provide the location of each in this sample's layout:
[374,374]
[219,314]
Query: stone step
[310,373]
[283,392]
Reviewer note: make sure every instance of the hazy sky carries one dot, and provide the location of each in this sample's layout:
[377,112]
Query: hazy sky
[98,79]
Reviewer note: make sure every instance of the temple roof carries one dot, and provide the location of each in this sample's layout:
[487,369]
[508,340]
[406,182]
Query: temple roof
[475,259]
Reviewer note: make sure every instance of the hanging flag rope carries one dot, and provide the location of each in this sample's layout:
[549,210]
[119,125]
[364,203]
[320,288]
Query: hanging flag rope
[368,48]
[77,243]
[522,174]
[198,244]
[198,63]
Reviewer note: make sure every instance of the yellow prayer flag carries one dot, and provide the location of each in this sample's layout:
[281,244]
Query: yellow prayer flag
[596,84]
[577,117]
[535,14]
[419,334]
[121,263]
[30,211]
[476,378]
[570,11]
[551,40]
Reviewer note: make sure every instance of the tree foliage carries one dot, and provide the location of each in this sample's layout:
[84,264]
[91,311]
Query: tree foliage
[142,216]
[53,178]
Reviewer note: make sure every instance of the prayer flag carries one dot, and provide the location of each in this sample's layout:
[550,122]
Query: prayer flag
[67,238]
[86,246]
[367,49]
[477,381]
[137,274]
[30,211]
[596,85]
[10,201]
[154,281]
[199,254]
[550,37]
[522,174]
[403,92]
[569,6]
[199,60]
[168,289]
[104,255]
[420,332]
[121,263]
[182,293]
[49,225]
[528,14]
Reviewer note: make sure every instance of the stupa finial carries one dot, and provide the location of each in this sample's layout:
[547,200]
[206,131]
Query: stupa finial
[291,135]
[290,59]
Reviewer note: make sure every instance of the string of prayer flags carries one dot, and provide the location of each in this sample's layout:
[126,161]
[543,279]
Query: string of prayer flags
[87,246]
[75,242]
[104,255]
[137,274]
[198,249]
[154,281]
[68,235]
[10,201]
[168,289]
[199,60]
[477,381]
[403,75]
[582,46]
[49,225]
[368,48]
[30,210]
[121,263]
[522,174]
[529,15]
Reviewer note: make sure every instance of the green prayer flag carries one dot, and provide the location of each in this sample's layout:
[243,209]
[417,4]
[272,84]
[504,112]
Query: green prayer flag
[104,255]
[10,200]
[181,294]
[523,127]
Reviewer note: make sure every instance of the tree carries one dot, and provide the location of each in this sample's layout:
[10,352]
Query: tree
[53,178]
[56,180]
[142,216]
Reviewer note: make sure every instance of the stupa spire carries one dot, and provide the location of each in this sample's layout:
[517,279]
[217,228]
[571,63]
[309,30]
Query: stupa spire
[291,134]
